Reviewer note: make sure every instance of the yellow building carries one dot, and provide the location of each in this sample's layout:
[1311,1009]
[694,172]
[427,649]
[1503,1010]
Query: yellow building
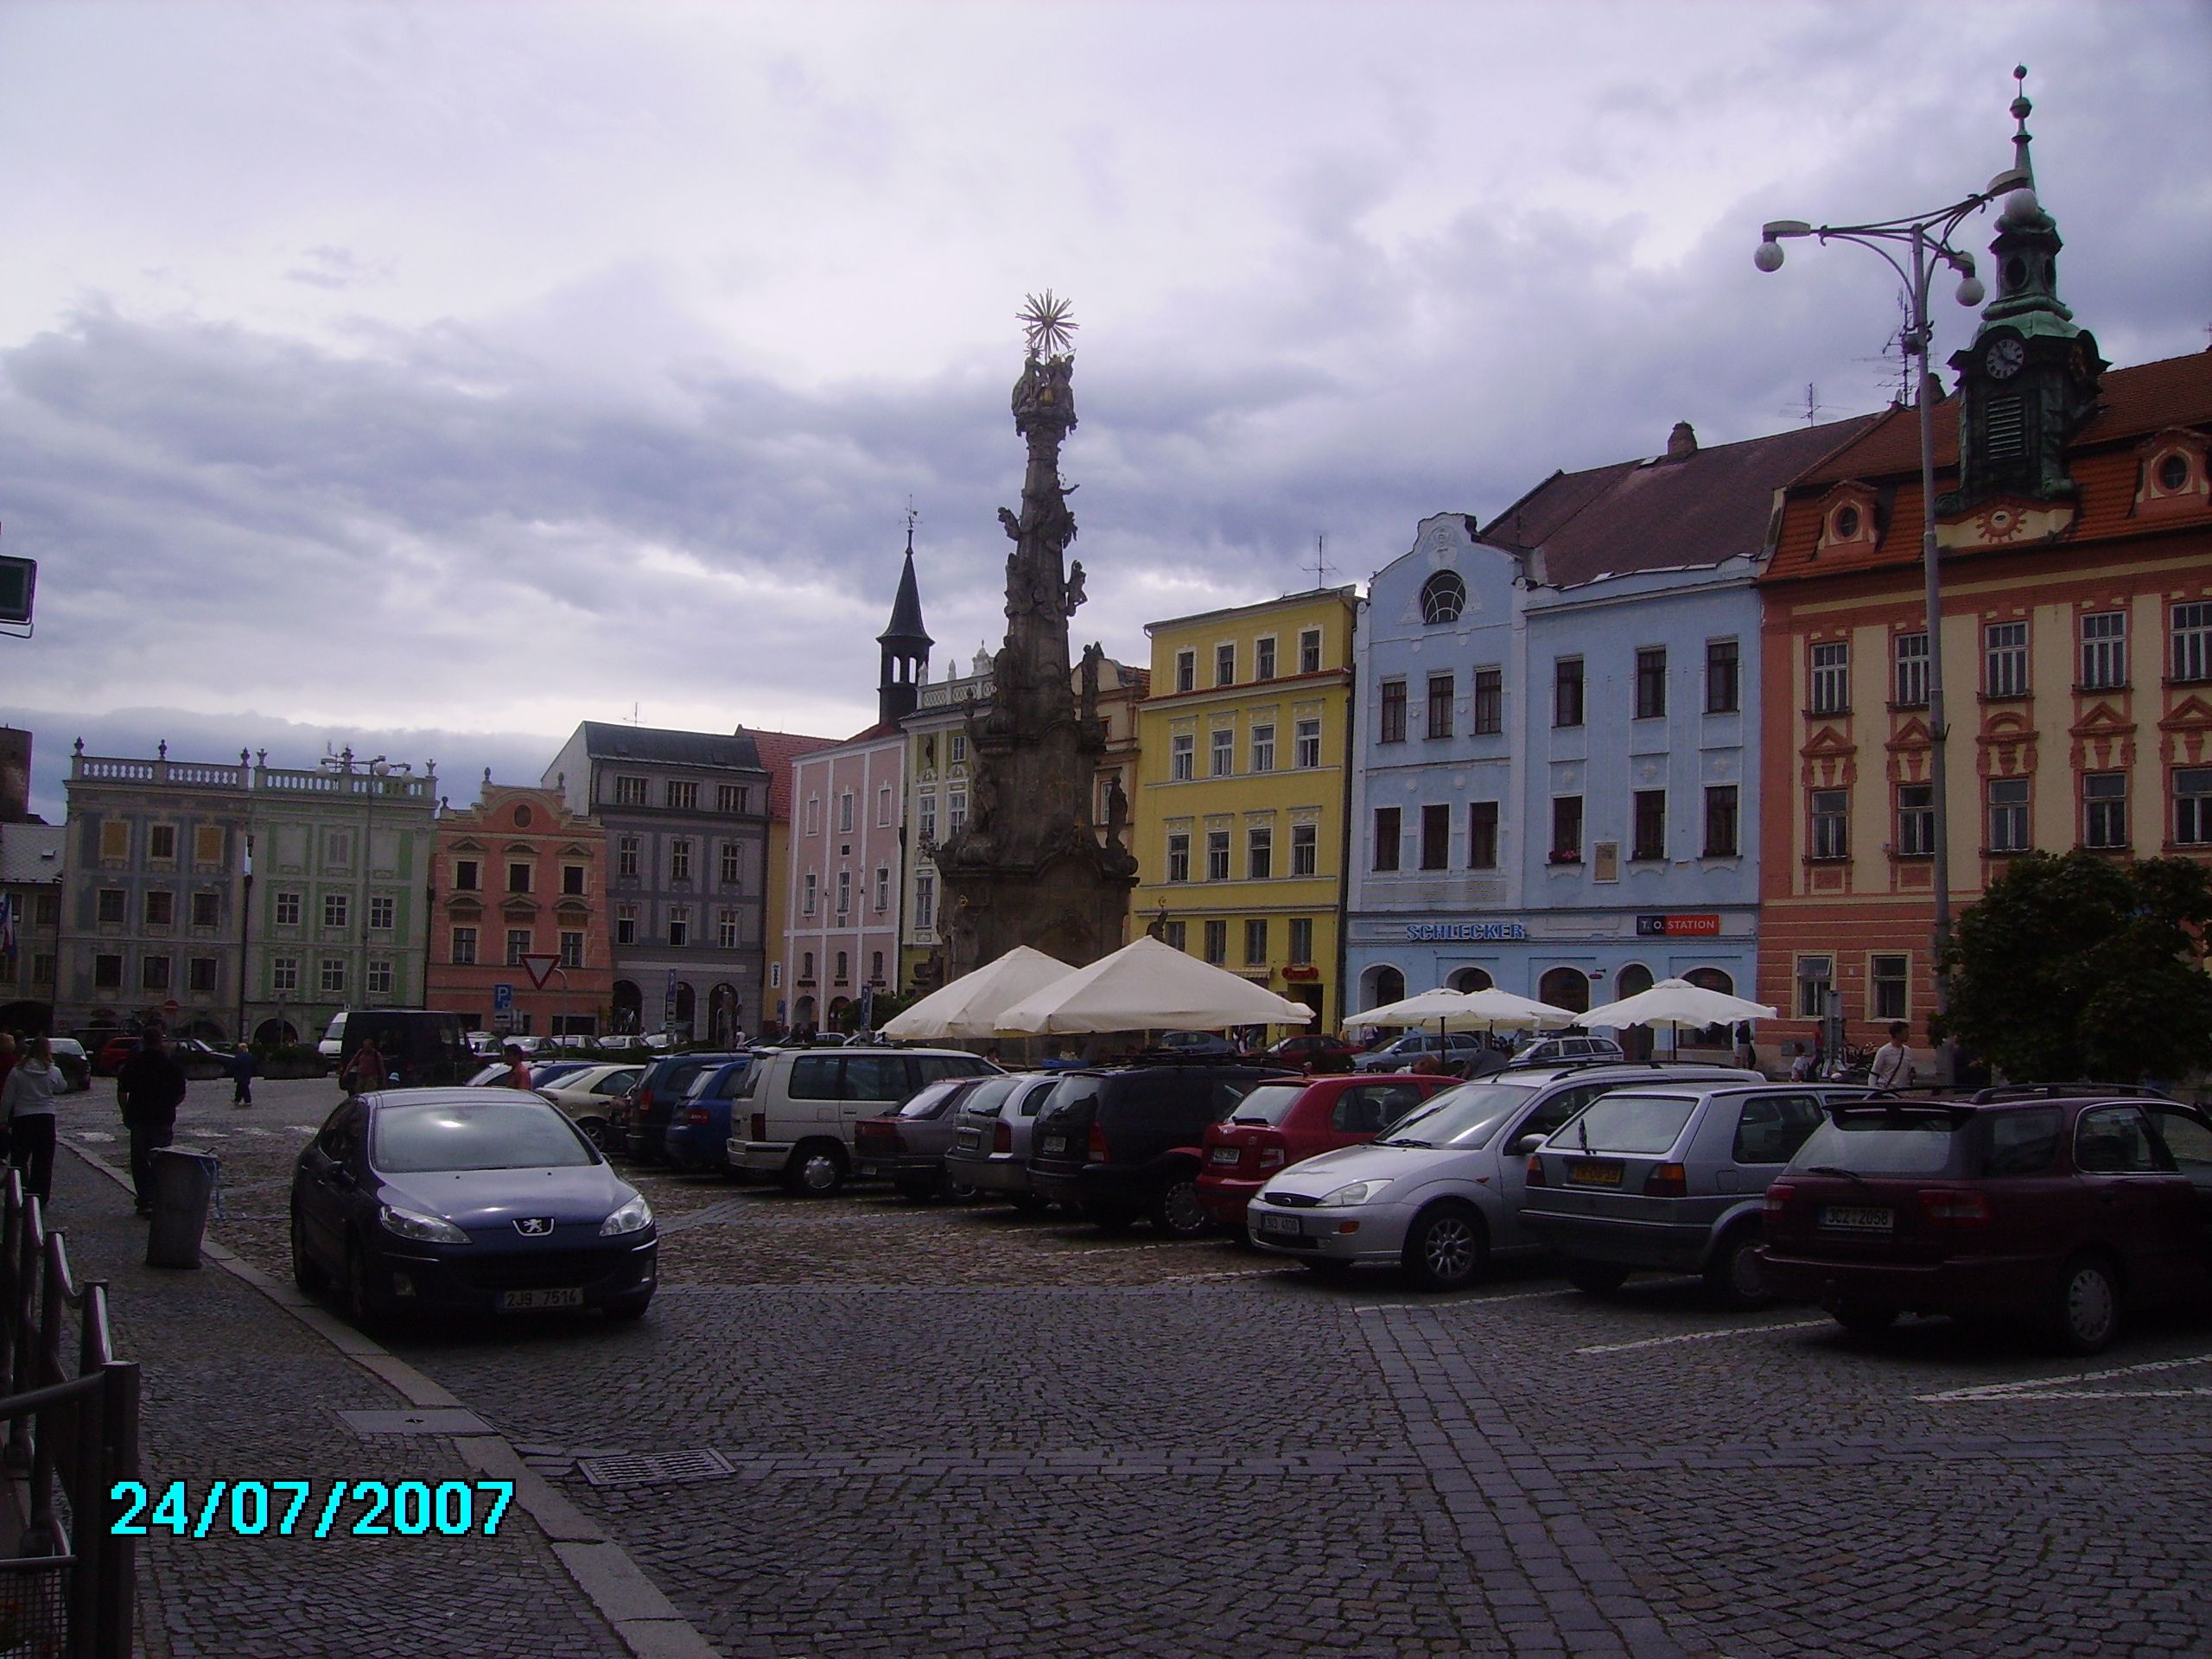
[1244,784]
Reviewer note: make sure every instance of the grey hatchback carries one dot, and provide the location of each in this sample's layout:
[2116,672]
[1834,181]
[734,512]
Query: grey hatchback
[1671,1179]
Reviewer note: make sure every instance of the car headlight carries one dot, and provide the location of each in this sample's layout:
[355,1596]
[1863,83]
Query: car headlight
[1355,1192]
[430,1230]
[633,1217]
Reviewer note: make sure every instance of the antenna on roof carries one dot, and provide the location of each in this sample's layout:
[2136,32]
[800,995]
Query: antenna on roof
[1900,364]
[1813,407]
[1321,565]
[633,714]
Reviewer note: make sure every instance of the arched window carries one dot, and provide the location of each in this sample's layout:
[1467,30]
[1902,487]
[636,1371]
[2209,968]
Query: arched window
[1632,981]
[1443,596]
[1471,978]
[1711,979]
[1381,986]
[1564,987]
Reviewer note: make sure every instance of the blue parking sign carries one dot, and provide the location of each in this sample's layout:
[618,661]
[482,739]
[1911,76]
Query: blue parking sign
[503,997]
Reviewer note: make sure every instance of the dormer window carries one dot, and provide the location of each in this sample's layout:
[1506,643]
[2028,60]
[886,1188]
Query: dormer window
[1846,518]
[2172,473]
[1846,524]
[2172,479]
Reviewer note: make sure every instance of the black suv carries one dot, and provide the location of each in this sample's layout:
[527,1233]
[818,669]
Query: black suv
[1121,1143]
[637,1124]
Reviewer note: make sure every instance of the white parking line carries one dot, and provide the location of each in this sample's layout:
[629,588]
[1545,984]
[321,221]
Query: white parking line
[1704,1336]
[92,1134]
[2069,1388]
[300,1129]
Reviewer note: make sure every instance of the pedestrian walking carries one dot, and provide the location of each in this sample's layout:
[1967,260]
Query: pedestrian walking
[1892,1067]
[365,1073]
[1807,1067]
[9,1056]
[150,1088]
[1746,1056]
[242,1077]
[517,1067]
[26,1102]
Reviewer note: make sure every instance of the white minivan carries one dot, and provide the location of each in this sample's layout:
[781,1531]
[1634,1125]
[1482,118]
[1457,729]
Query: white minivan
[792,1117]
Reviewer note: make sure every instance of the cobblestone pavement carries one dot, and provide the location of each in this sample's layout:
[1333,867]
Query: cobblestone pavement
[952,1430]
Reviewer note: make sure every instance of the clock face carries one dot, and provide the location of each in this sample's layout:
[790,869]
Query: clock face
[2004,358]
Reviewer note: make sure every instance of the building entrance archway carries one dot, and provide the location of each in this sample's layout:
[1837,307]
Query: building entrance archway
[1564,987]
[1467,980]
[626,1004]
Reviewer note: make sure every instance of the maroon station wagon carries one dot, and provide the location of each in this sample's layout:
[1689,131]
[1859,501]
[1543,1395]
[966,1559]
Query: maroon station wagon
[2064,1207]
[1278,1124]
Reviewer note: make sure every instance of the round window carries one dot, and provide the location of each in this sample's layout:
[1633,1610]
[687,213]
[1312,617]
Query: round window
[523,818]
[2016,273]
[2173,473]
[1846,524]
[1443,596]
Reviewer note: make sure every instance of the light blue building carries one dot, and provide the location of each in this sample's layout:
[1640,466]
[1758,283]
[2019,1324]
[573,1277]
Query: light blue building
[1558,734]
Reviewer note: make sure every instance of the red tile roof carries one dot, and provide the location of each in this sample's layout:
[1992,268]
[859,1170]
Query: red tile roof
[778,751]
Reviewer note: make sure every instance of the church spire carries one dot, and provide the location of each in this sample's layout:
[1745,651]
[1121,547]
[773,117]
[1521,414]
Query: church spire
[905,645]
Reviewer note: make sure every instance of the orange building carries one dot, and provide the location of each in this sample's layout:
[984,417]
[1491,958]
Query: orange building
[518,875]
[2076,530]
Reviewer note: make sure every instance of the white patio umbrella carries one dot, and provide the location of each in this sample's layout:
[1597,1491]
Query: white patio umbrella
[971,1006]
[1675,1002]
[1149,985]
[1484,1010]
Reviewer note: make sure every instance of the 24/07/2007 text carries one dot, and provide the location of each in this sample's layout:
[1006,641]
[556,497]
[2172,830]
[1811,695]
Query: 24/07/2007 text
[252,1509]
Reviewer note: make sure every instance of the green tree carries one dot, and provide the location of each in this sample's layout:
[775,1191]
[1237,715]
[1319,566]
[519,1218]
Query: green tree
[2074,966]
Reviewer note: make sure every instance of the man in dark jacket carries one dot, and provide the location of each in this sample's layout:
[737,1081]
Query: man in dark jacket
[150,1088]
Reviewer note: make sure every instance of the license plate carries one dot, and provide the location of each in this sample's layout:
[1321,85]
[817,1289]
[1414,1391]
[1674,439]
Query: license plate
[1272,1224]
[968,1139]
[1056,1143]
[514,1301]
[1594,1174]
[1857,1218]
[1226,1155]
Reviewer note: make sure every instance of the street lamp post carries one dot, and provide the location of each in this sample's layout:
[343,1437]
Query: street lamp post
[1928,235]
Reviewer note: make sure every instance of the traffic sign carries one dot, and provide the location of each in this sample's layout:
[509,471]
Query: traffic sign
[503,995]
[172,1007]
[540,968]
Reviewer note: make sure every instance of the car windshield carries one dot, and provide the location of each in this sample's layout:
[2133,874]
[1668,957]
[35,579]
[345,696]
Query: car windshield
[985,1099]
[1268,1103]
[516,1133]
[931,1098]
[1627,1122]
[1466,1116]
[1884,1143]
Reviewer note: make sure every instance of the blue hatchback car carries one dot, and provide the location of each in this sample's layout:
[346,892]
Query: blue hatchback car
[698,1137]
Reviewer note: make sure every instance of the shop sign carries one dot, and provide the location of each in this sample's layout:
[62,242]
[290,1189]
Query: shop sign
[1300,972]
[1463,933]
[1676,927]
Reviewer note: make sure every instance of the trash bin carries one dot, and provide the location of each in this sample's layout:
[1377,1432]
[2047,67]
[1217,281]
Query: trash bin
[184,1182]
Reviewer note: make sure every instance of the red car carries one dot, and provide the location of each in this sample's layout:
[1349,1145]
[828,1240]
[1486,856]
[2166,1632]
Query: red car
[1314,1051]
[2058,1206]
[112,1054]
[1281,1124]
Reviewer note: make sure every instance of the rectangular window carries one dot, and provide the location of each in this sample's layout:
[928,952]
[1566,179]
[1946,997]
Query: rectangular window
[1256,942]
[1182,757]
[1652,682]
[1225,664]
[683,798]
[679,859]
[1647,843]
[1887,979]
[844,894]
[929,820]
[1724,686]
[883,807]
[925,901]
[1720,820]
[2193,806]
[1308,738]
[1567,829]
[284,975]
[107,972]
[1301,939]
[207,845]
[332,977]
[42,969]
[288,910]
[1490,702]
[1481,834]
[572,947]
[1263,746]
[1392,728]
[732,797]
[112,900]
[1218,944]
[1178,857]
[380,976]
[1832,678]
[1172,935]
[1915,820]
[1263,658]
[814,814]
[958,748]
[2104,651]
[845,813]
[333,910]
[626,924]
[629,791]
[464,946]
[48,911]
[2004,659]
[1567,691]
[2192,643]
[1309,651]
[1224,751]
[572,879]
[807,902]
[1436,838]
[518,945]
[2007,799]
[1305,850]
[1217,855]
[1831,818]
[956,811]
[625,856]
[2104,809]
[726,930]
[518,877]
[1815,976]
[1259,852]
[1186,671]
[382,907]
[115,839]
[161,843]
[679,924]
[199,975]
[1911,659]
[1386,837]
[1442,689]
[464,875]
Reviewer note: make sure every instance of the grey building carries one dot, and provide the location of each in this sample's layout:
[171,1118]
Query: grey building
[686,816]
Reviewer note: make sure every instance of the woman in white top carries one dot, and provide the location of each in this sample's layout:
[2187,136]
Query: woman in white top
[28,1102]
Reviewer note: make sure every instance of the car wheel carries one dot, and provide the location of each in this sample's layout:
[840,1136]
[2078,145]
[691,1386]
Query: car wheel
[2086,1318]
[815,1171]
[1734,1277]
[306,1274]
[1863,1319]
[1447,1249]
[1176,1210]
[1596,1278]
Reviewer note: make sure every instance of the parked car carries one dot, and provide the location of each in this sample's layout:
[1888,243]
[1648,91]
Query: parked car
[1671,1177]
[1440,1193]
[499,1071]
[1281,1124]
[2066,1209]
[1121,1142]
[1199,1045]
[108,1059]
[698,1136]
[587,1092]
[799,1106]
[640,1119]
[907,1148]
[1457,1048]
[70,1060]
[991,1132]
[423,1046]
[481,1044]
[1313,1052]
[469,1200]
[1539,1050]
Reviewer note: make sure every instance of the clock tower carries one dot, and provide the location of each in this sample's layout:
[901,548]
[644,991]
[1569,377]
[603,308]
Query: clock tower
[2027,383]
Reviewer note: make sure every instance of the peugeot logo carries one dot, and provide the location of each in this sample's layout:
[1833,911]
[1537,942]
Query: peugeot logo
[534,1226]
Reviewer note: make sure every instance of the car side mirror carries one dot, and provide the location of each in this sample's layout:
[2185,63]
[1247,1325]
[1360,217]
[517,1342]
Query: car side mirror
[1527,1144]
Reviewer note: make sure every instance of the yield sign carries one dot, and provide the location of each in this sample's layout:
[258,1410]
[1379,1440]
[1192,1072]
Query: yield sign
[540,968]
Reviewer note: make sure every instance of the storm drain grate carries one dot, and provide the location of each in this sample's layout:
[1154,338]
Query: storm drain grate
[655,1471]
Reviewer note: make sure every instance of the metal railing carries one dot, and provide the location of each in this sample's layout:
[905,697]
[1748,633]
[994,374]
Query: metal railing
[66,1581]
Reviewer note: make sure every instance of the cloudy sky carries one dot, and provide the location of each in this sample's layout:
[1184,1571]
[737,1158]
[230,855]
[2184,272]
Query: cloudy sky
[431,377]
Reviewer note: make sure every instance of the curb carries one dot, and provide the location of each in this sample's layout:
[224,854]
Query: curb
[646,1620]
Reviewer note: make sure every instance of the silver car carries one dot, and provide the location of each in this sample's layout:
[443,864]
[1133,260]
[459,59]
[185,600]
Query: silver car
[1440,1193]
[990,1138]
